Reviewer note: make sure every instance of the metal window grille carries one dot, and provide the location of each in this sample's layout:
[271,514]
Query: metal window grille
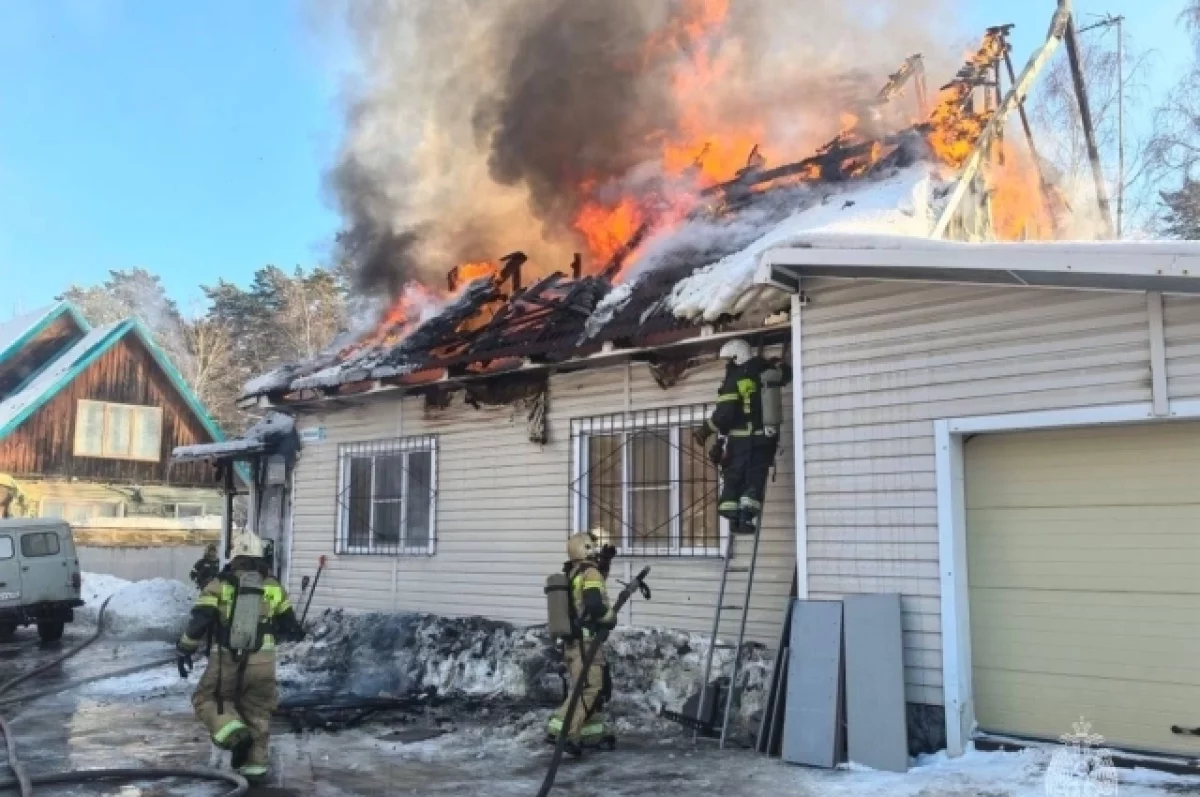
[642,478]
[387,497]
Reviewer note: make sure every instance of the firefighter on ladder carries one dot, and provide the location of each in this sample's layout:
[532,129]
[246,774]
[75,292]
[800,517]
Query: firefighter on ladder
[590,611]
[246,612]
[747,418]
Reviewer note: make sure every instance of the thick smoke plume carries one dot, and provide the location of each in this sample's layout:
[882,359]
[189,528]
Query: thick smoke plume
[477,127]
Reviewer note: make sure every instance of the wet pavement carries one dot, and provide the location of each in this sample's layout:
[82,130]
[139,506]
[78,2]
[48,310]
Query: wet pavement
[146,720]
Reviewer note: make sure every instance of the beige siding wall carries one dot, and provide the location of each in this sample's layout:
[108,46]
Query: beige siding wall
[503,510]
[883,361]
[1181,320]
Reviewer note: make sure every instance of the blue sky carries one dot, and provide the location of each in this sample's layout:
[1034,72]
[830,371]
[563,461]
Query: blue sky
[190,137]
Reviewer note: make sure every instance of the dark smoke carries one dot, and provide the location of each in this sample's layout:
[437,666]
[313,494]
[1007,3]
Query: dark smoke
[474,123]
[577,103]
[384,258]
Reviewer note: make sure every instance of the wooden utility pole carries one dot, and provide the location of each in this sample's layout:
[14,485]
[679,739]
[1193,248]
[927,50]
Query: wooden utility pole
[1071,40]
[1107,22]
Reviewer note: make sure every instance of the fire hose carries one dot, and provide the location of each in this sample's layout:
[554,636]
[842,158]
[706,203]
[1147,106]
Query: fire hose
[589,655]
[25,783]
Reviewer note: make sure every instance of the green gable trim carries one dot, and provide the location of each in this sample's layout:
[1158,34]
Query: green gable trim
[99,348]
[181,385]
[62,308]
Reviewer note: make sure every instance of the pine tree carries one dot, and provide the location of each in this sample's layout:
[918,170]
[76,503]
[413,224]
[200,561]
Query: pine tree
[1181,211]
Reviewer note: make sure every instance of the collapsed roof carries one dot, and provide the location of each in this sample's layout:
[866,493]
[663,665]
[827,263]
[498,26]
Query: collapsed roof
[693,280]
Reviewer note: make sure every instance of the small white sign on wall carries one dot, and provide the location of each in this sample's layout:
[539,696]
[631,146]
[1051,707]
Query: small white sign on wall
[312,434]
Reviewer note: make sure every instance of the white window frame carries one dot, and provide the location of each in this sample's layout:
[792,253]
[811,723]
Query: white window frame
[137,415]
[67,503]
[677,418]
[404,446]
[189,504]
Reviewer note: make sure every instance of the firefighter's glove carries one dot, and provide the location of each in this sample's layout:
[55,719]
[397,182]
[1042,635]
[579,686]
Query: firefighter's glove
[701,434]
[184,662]
[716,454]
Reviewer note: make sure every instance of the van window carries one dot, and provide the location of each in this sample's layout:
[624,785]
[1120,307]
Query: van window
[40,544]
[6,548]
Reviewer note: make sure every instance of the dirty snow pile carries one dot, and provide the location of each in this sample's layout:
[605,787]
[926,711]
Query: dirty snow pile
[407,654]
[154,609]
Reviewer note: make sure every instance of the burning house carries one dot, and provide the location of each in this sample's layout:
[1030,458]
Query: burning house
[452,445]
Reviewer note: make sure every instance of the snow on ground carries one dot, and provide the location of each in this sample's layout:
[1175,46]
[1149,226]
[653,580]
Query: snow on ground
[900,205]
[401,654]
[157,608]
[491,753]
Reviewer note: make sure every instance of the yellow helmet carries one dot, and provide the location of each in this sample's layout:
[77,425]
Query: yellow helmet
[581,546]
[247,544]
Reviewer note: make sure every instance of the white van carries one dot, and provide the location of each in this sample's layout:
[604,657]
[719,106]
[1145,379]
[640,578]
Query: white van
[40,581]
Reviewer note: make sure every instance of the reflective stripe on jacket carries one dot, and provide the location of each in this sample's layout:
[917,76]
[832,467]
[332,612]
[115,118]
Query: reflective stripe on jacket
[589,596]
[214,608]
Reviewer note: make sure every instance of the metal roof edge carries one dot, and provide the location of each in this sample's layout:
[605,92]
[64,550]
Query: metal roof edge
[1171,267]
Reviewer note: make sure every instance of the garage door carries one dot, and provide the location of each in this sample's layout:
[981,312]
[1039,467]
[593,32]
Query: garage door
[1083,552]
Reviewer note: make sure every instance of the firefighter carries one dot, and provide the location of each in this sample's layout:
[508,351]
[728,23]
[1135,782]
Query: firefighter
[246,613]
[206,568]
[747,418]
[591,612]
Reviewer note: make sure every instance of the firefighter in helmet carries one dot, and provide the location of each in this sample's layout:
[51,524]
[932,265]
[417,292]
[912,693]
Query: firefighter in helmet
[246,613]
[747,418]
[590,612]
[206,568]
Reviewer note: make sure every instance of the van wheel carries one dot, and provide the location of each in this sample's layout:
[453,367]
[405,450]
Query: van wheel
[51,631]
[7,630]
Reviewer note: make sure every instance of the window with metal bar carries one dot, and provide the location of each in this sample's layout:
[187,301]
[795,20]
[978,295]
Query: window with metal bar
[387,496]
[643,479]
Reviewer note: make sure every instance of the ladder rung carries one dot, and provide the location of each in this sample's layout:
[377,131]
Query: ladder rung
[731,608]
[724,646]
[737,570]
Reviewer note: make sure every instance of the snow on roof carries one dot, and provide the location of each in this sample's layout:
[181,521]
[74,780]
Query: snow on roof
[12,408]
[12,330]
[900,205]
[258,437]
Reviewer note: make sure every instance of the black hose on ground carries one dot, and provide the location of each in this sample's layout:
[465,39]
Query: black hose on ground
[24,696]
[589,656]
[25,783]
[136,773]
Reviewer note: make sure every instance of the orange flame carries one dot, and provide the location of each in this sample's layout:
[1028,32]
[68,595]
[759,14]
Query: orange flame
[955,124]
[605,228]
[1019,211]
[465,273]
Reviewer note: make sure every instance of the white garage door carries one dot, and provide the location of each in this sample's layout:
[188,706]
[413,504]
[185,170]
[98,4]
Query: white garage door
[1083,551]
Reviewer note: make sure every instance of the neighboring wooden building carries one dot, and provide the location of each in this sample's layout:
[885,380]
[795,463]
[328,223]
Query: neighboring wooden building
[88,418]
[1009,437]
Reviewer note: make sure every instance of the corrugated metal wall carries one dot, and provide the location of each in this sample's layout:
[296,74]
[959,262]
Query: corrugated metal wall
[882,361]
[503,510]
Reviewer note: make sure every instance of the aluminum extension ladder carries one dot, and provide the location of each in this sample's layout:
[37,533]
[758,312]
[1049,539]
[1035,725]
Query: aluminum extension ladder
[714,645]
